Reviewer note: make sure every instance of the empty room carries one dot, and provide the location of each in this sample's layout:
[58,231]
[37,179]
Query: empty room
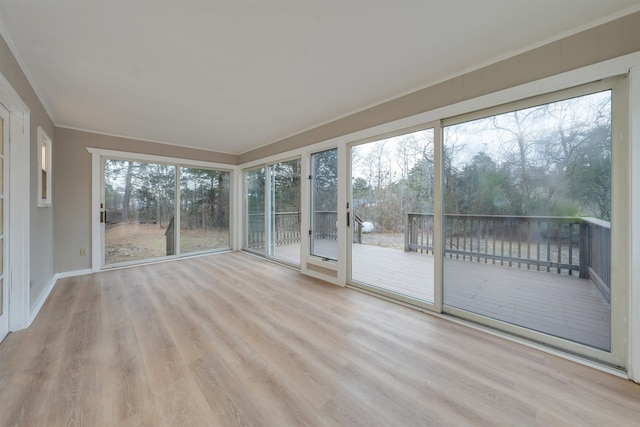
[321,213]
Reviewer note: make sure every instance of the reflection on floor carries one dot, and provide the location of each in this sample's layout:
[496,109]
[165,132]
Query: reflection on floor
[557,305]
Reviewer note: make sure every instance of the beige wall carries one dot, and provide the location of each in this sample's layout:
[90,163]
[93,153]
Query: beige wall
[72,189]
[607,41]
[41,219]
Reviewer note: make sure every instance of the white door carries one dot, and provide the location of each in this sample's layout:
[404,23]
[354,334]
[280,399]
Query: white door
[4,283]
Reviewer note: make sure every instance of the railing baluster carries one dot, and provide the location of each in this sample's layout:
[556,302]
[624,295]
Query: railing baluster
[502,244]
[519,237]
[457,244]
[494,238]
[548,247]
[464,239]
[419,235]
[470,221]
[485,235]
[559,248]
[571,229]
[510,242]
[529,245]
[538,235]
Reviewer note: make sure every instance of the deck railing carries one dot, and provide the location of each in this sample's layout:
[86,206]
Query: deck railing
[357,229]
[597,252]
[563,245]
[325,225]
[254,231]
[286,228]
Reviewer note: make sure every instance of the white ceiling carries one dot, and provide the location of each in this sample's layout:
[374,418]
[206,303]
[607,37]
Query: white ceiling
[235,75]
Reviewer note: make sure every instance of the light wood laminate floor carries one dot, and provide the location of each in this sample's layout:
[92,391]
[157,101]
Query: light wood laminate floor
[231,339]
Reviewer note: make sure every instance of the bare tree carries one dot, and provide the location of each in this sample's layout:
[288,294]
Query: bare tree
[127,193]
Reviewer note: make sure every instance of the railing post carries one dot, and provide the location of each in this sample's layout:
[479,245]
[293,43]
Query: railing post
[407,230]
[406,233]
[584,251]
[170,238]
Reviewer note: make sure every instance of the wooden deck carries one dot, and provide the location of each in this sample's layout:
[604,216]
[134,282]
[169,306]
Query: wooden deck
[558,305]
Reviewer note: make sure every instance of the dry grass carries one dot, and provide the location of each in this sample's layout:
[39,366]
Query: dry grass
[384,240]
[134,242]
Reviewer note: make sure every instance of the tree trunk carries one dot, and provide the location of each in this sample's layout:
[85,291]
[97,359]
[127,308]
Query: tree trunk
[127,193]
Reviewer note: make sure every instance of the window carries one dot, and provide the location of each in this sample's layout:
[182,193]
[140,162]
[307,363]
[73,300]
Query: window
[204,209]
[324,204]
[144,217]
[527,237]
[254,223]
[392,222]
[284,211]
[272,211]
[45,190]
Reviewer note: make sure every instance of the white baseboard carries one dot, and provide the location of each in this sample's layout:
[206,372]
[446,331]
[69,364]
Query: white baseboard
[41,300]
[47,291]
[74,273]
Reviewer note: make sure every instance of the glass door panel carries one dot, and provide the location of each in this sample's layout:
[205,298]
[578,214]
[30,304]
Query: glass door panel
[284,211]
[392,199]
[254,224]
[527,218]
[324,204]
[139,200]
[204,209]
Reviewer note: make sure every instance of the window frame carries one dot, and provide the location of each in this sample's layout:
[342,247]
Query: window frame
[620,220]
[268,181]
[245,207]
[45,169]
[97,157]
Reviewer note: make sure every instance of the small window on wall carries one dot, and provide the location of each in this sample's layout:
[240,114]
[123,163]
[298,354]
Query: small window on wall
[45,193]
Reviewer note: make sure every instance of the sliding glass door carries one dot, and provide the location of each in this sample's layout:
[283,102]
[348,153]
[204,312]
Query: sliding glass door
[272,211]
[324,204]
[528,217]
[284,211]
[139,211]
[254,207]
[521,238]
[204,209]
[392,216]
[140,217]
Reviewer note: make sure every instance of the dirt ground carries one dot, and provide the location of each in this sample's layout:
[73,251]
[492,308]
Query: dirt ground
[385,240]
[133,242]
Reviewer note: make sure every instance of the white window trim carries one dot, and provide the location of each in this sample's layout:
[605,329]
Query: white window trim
[47,143]
[633,362]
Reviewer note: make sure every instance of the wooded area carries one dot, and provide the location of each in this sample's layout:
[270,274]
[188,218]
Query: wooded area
[145,193]
[548,160]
